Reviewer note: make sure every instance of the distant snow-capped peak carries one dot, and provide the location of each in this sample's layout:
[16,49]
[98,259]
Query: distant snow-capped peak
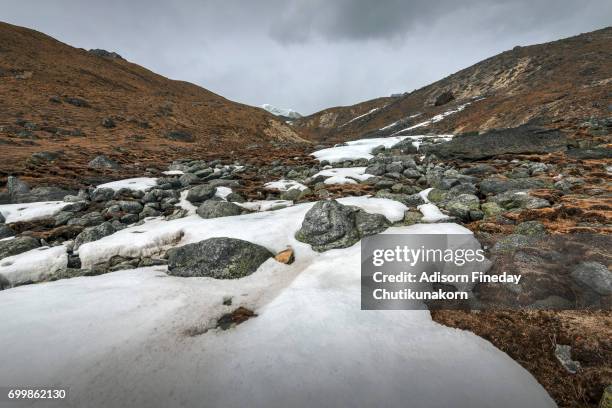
[288,113]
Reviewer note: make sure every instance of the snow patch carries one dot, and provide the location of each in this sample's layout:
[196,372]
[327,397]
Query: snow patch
[34,265]
[31,211]
[344,175]
[135,184]
[285,185]
[356,149]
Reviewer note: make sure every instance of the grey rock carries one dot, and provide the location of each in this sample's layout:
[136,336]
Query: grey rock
[130,219]
[103,162]
[511,243]
[219,258]
[87,220]
[201,193]
[2,219]
[46,156]
[328,225]
[215,209]
[188,179]
[370,224]
[496,185]
[564,355]
[132,207]
[16,186]
[17,246]
[412,200]
[518,200]
[50,193]
[6,231]
[461,205]
[394,167]
[148,211]
[235,197]
[411,173]
[94,233]
[376,169]
[291,195]
[534,228]
[594,276]
[180,136]
[518,140]
[102,194]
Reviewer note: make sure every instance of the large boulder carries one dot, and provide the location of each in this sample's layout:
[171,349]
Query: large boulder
[201,193]
[496,185]
[329,224]
[216,209]
[15,246]
[518,140]
[94,233]
[444,98]
[518,200]
[219,258]
[594,276]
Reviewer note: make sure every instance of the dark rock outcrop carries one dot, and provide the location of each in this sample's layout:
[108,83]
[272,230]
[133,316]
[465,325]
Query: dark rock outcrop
[219,258]
[522,139]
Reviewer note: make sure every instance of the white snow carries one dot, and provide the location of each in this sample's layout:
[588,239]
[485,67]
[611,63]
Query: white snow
[344,175]
[356,149]
[138,183]
[431,213]
[265,205]
[284,185]
[123,335]
[223,192]
[34,265]
[31,211]
[389,126]
[289,113]
[360,116]
[436,118]
[425,194]
[173,172]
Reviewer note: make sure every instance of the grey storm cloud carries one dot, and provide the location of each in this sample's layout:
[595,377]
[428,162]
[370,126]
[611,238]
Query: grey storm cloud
[307,54]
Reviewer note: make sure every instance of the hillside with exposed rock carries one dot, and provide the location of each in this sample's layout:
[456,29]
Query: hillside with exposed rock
[560,84]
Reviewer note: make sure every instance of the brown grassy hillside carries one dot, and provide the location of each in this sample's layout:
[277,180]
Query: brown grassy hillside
[39,79]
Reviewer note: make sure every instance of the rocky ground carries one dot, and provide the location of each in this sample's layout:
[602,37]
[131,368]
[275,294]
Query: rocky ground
[521,195]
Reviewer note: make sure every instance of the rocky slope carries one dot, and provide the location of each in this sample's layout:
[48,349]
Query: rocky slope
[62,107]
[560,84]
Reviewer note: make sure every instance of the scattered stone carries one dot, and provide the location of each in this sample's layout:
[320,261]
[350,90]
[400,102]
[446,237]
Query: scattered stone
[328,225]
[219,258]
[606,398]
[201,193]
[15,246]
[370,224]
[108,123]
[102,194]
[6,231]
[103,162]
[491,209]
[462,205]
[78,102]
[412,217]
[594,276]
[511,243]
[518,200]
[94,233]
[216,209]
[496,185]
[16,186]
[285,256]
[180,136]
[533,228]
[564,355]
[444,98]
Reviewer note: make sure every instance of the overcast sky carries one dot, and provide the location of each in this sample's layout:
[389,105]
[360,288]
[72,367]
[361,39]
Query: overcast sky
[307,54]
